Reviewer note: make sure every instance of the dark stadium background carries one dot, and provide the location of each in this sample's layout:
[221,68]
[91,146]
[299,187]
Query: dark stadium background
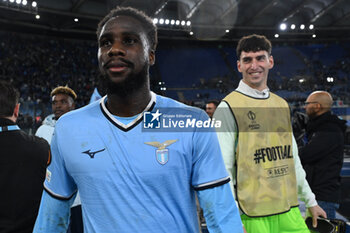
[195,61]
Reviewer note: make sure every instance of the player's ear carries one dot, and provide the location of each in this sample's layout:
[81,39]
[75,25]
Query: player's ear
[16,111]
[271,61]
[152,57]
[239,66]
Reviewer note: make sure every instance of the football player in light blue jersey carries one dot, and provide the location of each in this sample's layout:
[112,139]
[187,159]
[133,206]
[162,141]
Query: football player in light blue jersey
[131,176]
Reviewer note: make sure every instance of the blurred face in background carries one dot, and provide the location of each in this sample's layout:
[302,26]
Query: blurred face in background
[62,103]
[312,106]
[210,109]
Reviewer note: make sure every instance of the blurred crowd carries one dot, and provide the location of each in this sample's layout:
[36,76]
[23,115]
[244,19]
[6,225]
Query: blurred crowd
[37,64]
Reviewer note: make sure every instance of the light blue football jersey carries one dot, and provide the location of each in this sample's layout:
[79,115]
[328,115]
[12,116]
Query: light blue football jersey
[133,179]
[95,96]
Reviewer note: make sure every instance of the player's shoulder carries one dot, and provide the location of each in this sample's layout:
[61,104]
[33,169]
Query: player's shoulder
[44,127]
[80,115]
[44,131]
[34,142]
[278,98]
[233,93]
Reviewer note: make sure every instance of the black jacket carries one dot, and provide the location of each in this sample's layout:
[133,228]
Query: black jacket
[23,162]
[322,156]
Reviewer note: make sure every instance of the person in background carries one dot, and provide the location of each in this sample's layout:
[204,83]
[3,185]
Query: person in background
[210,107]
[322,156]
[259,149]
[63,99]
[23,163]
[132,179]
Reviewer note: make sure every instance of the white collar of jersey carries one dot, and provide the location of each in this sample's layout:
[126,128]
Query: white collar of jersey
[247,90]
[132,124]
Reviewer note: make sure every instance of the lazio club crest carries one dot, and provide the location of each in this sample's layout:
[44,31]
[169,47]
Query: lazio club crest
[162,153]
[162,156]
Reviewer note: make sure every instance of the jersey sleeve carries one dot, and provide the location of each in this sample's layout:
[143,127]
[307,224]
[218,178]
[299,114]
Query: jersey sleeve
[58,182]
[53,215]
[304,191]
[208,166]
[227,135]
[220,209]
[44,132]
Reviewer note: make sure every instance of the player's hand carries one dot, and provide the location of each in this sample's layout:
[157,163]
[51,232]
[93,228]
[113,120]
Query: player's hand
[316,211]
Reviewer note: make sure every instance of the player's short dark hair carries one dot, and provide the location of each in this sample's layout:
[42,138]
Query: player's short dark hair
[9,97]
[146,22]
[253,43]
[215,102]
[64,90]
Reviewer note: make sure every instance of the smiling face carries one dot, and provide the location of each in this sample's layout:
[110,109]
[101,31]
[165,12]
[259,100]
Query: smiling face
[255,67]
[124,53]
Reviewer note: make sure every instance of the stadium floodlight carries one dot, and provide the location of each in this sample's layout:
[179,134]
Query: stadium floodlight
[191,33]
[172,22]
[12,1]
[227,31]
[76,20]
[276,35]
[155,20]
[177,22]
[311,26]
[18,1]
[37,16]
[330,79]
[283,26]
[161,21]
[24,2]
[302,26]
[188,23]
[292,26]
[183,22]
[167,21]
[34,4]
[314,36]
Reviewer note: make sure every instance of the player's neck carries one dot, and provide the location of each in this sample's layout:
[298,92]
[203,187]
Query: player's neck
[130,105]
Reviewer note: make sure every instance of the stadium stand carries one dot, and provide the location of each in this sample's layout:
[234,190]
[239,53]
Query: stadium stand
[191,74]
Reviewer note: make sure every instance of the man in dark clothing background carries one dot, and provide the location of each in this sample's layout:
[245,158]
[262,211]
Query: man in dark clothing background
[23,162]
[322,156]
